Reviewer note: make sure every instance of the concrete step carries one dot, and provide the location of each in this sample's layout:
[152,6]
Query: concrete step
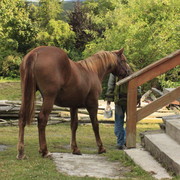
[147,162]
[172,126]
[160,114]
[164,149]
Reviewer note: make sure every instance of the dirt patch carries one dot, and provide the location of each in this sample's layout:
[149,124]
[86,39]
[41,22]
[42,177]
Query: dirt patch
[89,165]
[3,147]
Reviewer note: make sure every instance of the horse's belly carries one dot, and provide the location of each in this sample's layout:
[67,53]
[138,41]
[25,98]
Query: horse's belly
[69,100]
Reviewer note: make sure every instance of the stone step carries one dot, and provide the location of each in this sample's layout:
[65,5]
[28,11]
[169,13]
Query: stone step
[160,114]
[172,124]
[164,149]
[144,159]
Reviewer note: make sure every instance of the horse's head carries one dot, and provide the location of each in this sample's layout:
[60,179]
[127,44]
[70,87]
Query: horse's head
[122,70]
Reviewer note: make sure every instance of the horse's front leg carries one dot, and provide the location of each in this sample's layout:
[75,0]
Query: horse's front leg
[42,122]
[74,126]
[93,116]
[20,146]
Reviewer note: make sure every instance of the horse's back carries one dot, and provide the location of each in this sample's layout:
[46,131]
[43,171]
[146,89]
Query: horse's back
[45,55]
[51,67]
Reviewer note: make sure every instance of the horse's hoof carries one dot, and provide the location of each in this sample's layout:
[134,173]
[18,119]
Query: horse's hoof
[21,157]
[48,155]
[102,150]
[77,152]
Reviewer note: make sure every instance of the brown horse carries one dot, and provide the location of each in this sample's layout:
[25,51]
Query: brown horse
[65,83]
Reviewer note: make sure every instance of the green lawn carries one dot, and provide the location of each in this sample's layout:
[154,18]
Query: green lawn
[58,138]
[10,90]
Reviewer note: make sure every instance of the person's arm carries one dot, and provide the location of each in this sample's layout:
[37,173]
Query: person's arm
[110,89]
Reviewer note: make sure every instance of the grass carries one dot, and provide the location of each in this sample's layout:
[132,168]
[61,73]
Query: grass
[58,138]
[10,89]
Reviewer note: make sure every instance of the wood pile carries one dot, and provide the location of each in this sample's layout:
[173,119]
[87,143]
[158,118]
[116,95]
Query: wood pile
[9,114]
[153,94]
[9,111]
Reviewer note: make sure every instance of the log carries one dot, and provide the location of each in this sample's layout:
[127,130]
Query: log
[9,113]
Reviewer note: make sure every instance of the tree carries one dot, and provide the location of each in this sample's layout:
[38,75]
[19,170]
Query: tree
[16,24]
[17,35]
[87,22]
[47,10]
[102,12]
[81,25]
[52,31]
[146,29]
[57,33]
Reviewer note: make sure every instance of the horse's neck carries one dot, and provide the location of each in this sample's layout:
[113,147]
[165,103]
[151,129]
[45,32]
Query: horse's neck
[101,69]
[106,65]
[101,74]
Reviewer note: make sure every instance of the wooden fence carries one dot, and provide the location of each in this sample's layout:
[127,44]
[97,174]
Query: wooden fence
[139,78]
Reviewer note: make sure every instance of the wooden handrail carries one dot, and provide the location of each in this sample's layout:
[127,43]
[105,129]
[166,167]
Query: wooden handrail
[159,103]
[138,78]
[151,66]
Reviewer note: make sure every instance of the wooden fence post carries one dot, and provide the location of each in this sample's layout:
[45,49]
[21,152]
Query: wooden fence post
[131,114]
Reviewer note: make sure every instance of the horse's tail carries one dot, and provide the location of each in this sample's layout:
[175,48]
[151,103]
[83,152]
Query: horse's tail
[28,87]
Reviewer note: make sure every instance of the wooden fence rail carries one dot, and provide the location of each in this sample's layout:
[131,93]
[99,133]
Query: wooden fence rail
[137,79]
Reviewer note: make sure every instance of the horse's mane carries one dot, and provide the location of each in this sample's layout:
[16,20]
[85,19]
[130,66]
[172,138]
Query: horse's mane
[99,60]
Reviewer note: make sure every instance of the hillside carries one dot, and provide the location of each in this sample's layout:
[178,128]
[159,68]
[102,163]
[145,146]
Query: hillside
[67,4]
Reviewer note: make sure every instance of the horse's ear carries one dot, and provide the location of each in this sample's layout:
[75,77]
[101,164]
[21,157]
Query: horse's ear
[120,51]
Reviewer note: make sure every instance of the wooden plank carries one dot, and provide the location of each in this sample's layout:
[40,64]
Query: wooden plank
[175,56]
[131,115]
[159,103]
[158,70]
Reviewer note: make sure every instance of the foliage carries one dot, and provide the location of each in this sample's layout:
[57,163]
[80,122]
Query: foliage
[47,10]
[85,29]
[80,23]
[23,27]
[171,79]
[15,24]
[146,29]
[57,33]
[10,66]
[17,35]
[7,47]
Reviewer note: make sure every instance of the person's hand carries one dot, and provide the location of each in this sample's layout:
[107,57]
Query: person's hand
[108,103]
[108,111]
[108,107]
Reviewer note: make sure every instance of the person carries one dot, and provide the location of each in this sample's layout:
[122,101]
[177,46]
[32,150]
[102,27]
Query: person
[118,94]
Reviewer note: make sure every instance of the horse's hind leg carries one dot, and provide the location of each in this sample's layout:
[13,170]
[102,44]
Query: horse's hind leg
[47,105]
[20,146]
[93,116]
[74,126]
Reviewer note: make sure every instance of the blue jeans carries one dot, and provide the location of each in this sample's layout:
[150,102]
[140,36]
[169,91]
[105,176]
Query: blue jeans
[119,124]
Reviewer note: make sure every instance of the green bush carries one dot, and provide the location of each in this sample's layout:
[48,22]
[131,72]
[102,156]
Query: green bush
[148,31]
[10,66]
